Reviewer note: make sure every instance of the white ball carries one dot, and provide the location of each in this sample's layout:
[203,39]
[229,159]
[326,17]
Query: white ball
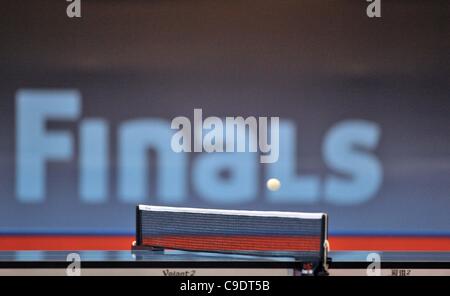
[273,184]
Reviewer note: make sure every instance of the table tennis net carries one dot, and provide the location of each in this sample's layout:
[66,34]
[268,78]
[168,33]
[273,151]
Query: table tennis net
[232,231]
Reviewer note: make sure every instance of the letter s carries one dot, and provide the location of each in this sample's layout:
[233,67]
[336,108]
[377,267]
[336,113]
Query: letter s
[342,152]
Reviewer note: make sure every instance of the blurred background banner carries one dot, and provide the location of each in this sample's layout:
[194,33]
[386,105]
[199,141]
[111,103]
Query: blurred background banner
[86,105]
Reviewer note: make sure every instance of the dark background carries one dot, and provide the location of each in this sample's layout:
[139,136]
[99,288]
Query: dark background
[313,62]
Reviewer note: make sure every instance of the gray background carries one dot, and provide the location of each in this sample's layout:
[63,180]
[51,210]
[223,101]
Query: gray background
[314,62]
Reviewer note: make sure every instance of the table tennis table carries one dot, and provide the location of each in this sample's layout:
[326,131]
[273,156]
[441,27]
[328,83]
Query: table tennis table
[183,263]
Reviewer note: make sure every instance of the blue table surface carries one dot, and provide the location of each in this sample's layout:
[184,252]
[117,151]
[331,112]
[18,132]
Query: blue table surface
[179,256]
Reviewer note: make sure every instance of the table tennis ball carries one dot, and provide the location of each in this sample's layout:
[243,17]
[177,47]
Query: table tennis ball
[273,184]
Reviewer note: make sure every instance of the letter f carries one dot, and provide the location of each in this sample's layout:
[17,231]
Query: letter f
[35,146]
